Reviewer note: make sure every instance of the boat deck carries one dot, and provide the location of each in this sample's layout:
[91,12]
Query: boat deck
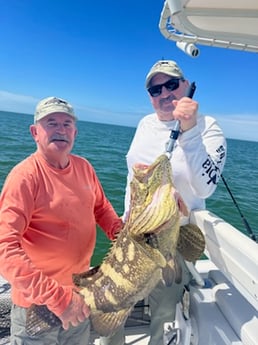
[5,306]
[134,335]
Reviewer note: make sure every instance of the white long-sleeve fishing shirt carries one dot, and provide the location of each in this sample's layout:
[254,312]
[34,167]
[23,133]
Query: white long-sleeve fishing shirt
[197,160]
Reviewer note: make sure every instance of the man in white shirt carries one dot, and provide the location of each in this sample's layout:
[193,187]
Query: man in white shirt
[197,161]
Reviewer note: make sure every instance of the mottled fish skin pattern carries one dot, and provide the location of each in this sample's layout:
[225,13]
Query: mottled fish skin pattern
[143,253]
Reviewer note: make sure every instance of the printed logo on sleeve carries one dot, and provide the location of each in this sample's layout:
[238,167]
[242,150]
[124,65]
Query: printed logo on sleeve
[211,168]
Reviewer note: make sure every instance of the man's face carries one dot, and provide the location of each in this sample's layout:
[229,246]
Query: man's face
[55,134]
[163,103]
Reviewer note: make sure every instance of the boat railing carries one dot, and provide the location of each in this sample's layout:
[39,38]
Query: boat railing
[234,253]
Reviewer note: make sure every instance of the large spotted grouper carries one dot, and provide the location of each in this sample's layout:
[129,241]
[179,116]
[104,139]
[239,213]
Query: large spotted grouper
[144,253]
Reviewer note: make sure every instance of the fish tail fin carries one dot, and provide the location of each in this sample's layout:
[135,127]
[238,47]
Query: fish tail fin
[106,324]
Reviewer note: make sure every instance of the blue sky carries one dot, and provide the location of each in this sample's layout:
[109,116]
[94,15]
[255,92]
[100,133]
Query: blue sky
[96,55]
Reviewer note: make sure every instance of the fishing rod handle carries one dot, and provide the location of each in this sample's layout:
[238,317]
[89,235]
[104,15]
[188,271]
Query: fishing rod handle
[191,89]
[176,130]
[189,93]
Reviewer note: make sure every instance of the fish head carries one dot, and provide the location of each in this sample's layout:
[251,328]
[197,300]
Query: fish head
[153,204]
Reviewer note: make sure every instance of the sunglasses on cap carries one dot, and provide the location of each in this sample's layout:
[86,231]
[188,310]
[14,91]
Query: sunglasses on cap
[170,85]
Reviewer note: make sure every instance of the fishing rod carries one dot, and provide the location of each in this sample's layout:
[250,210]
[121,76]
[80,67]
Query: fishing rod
[170,146]
[176,130]
[247,226]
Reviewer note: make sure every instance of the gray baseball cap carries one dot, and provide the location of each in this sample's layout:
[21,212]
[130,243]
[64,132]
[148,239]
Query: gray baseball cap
[168,67]
[52,105]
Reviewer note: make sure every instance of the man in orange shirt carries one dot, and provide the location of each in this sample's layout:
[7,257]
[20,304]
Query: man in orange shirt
[50,205]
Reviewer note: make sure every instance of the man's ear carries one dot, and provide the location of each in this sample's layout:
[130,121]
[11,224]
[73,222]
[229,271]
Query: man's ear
[33,131]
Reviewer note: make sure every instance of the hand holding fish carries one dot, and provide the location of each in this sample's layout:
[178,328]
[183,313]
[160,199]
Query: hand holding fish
[76,312]
[186,112]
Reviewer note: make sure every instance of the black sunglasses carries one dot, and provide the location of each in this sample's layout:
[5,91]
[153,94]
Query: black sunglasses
[170,85]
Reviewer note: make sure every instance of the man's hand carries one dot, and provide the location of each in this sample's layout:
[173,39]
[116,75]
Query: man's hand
[76,312]
[186,112]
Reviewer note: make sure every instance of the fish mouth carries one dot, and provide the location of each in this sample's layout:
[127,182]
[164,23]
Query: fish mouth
[142,172]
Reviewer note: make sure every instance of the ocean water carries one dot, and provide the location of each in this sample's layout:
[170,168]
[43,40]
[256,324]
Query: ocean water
[105,146]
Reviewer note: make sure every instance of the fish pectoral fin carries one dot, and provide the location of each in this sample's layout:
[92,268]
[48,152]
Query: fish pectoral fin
[191,242]
[40,319]
[106,324]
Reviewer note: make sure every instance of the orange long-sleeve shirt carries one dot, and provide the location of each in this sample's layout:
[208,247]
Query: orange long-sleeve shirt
[48,222]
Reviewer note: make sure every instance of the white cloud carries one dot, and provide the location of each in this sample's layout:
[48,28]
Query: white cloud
[17,103]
